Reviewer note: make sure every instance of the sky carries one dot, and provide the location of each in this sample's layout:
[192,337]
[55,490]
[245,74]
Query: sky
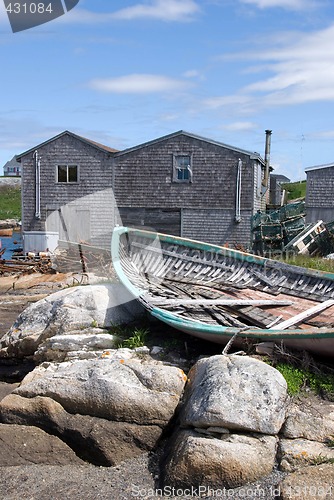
[125,72]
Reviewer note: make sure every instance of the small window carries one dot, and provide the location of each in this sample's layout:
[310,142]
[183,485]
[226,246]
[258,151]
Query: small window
[182,171]
[67,173]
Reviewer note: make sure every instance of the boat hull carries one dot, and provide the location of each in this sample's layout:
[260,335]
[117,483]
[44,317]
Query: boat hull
[318,342]
[143,276]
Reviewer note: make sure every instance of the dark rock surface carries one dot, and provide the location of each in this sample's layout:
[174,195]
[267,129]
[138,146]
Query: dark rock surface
[24,445]
[6,389]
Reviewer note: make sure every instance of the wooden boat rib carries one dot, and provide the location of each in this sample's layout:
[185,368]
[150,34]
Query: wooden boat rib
[214,292]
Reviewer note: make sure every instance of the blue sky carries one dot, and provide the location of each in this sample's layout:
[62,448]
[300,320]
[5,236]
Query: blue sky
[125,72]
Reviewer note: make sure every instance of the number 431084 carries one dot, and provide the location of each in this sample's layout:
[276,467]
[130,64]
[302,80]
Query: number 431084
[29,8]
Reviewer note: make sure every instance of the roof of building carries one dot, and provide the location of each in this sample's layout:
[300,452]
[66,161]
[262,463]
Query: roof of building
[252,154]
[318,167]
[102,147]
[96,145]
[12,163]
[280,178]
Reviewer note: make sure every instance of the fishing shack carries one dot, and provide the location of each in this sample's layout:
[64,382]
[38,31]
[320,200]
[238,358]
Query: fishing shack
[320,193]
[66,193]
[191,186]
[77,190]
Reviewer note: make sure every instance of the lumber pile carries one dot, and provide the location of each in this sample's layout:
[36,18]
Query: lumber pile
[25,266]
[76,257]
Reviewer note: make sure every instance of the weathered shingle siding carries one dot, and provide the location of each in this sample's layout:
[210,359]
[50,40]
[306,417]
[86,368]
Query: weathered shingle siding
[92,191]
[217,226]
[164,220]
[147,174]
[142,181]
[320,195]
[143,178]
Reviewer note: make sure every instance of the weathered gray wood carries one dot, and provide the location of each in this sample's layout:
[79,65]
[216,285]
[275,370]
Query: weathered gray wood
[199,284]
[304,315]
[167,220]
[320,199]
[180,258]
[91,218]
[263,278]
[274,322]
[220,302]
[256,316]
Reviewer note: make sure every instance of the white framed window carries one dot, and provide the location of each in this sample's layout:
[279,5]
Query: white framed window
[182,168]
[67,174]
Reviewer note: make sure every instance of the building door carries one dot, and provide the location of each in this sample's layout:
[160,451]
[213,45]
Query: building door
[71,222]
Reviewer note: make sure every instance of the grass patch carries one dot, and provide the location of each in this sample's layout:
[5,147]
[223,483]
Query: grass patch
[10,202]
[299,380]
[322,384]
[330,443]
[294,378]
[317,263]
[138,339]
[321,460]
[130,338]
[295,190]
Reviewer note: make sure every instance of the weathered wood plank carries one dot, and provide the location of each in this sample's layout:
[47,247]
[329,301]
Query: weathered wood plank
[220,302]
[178,256]
[304,315]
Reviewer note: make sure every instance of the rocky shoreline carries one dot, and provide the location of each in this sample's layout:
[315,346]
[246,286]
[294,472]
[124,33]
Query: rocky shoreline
[9,224]
[157,422]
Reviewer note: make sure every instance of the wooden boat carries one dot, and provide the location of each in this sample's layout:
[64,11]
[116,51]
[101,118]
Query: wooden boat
[6,232]
[216,293]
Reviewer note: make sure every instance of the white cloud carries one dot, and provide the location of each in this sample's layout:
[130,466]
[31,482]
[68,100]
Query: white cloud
[192,73]
[300,71]
[240,126]
[303,72]
[227,100]
[165,10]
[284,4]
[160,10]
[195,74]
[138,84]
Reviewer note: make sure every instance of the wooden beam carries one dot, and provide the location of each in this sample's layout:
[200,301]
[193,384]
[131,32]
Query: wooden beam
[181,257]
[218,302]
[304,315]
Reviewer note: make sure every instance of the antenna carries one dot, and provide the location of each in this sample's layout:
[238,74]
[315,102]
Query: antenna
[301,169]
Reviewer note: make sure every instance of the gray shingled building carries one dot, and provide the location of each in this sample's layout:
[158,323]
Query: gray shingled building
[181,184]
[320,193]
